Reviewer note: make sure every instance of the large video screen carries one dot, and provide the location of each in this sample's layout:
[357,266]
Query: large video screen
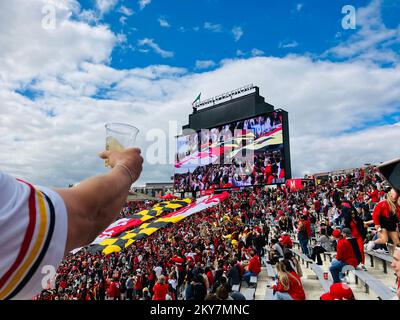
[244,153]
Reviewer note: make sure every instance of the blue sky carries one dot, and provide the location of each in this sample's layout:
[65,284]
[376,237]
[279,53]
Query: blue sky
[203,30]
[144,61]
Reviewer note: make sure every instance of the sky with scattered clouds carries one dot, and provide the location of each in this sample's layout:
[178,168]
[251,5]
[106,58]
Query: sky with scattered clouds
[144,62]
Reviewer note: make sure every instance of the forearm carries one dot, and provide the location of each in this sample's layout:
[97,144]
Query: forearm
[105,192]
[93,205]
[369,222]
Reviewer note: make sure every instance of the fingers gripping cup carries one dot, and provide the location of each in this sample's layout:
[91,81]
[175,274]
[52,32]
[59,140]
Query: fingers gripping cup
[119,136]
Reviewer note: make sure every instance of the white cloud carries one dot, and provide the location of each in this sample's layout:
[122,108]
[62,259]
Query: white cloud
[237,33]
[143,3]
[54,138]
[156,48]
[372,145]
[89,16]
[105,6]
[164,23]
[372,40]
[240,53]
[256,52]
[126,11]
[288,44]
[123,19]
[32,51]
[299,6]
[204,64]
[212,27]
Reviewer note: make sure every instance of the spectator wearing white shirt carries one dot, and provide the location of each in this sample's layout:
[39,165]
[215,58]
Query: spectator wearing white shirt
[39,225]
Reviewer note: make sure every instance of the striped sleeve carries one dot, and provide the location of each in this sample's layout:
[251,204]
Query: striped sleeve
[33,233]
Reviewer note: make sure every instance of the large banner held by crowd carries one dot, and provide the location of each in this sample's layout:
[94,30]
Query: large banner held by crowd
[133,221]
[128,237]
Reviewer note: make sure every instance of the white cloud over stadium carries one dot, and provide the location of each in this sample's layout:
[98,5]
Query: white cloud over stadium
[57,90]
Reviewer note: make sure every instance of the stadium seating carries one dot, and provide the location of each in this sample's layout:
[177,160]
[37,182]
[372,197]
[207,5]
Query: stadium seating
[325,284]
[382,291]
[383,259]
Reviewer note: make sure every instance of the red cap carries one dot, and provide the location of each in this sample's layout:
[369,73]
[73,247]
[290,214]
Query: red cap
[326,296]
[336,233]
[341,291]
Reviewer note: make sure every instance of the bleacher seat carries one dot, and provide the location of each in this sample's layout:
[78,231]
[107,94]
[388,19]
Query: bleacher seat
[381,290]
[382,257]
[329,254]
[249,293]
[325,284]
[236,287]
[303,258]
[270,270]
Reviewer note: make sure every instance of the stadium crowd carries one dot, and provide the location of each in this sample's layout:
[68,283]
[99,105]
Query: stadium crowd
[204,255]
[267,167]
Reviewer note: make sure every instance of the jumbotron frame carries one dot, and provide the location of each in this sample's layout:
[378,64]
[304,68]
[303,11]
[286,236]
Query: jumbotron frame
[237,105]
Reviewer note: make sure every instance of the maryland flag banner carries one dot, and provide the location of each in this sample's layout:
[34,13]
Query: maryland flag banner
[159,209]
[202,158]
[294,184]
[268,139]
[127,238]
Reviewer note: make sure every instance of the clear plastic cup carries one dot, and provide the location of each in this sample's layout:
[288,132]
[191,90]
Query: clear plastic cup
[120,136]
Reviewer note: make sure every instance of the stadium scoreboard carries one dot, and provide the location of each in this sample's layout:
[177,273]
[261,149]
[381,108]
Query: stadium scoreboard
[235,140]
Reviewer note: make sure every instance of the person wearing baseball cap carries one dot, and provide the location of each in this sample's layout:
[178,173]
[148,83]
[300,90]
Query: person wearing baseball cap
[336,234]
[338,291]
[345,256]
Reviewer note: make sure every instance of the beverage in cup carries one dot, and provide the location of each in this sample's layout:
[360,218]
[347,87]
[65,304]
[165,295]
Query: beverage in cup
[119,136]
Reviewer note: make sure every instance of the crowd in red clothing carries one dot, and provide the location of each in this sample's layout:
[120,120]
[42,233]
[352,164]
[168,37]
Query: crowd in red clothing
[204,255]
[266,167]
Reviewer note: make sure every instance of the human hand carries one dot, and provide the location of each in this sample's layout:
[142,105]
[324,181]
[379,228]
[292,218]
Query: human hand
[130,157]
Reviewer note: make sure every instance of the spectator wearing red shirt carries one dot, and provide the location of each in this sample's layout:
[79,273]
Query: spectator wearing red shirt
[254,267]
[317,207]
[286,241]
[179,262]
[138,283]
[289,285]
[268,170]
[345,256]
[160,289]
[386,216]
[338,291]
[374,195]
[307,224]
[113,290]
[210,276]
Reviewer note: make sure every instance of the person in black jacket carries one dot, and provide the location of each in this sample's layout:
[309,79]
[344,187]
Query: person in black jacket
[259,243]
[233,273]
[356,225]
[197,289]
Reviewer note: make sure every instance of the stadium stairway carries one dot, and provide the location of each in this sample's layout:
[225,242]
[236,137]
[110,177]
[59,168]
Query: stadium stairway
[263,280]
